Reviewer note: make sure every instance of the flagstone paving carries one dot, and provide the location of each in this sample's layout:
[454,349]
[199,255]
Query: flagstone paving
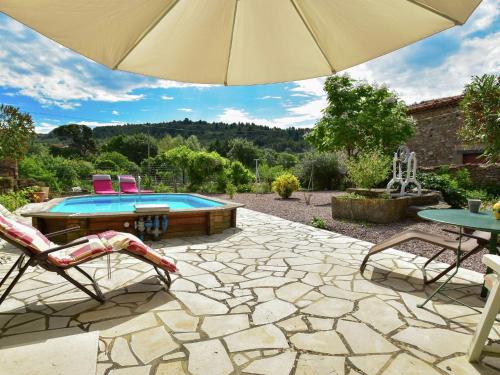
[269,297]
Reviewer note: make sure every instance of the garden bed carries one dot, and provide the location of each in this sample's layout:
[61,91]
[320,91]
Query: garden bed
[295,209]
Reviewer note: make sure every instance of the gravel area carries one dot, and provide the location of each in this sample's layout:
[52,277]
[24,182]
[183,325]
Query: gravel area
[296,209]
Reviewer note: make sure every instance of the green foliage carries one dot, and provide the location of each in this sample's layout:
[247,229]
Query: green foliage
[351,196]
[231,190]
[116,162]
[287,160]
[463,178]
[15,199]
[58,173]
[204,166]
[318,222]
[78,140]
[325,169]
[261,188]
[215,136]
[240,175]
[447,185]
[285,185]
[360,117]
[481,113]
[161,188]
[268,174]
[369,169]
[136,147]
[168,142]
[106,165]
[244,151]
[16,132]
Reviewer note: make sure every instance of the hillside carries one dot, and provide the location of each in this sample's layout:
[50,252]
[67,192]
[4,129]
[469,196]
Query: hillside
[289,139]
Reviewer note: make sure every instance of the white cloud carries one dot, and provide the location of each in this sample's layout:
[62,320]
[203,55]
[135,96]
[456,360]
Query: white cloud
[165,97]
[269,97]
[116,113]
[53,75]
[475,56]
[234,115]
[484,16]
[185,109]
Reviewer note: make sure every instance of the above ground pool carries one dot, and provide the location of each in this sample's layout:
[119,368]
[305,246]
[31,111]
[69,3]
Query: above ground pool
[127,203]
[149,216]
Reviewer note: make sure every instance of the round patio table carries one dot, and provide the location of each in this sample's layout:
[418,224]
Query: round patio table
[484,221]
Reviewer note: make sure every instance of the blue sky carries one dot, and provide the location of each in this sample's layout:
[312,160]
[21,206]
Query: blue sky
[58,86]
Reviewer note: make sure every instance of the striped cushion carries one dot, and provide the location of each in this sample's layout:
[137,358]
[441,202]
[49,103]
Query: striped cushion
[108,242]
[23,234]
[130,242]
[98,245]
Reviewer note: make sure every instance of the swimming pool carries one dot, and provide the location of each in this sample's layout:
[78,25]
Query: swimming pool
[160,215]
[127,203]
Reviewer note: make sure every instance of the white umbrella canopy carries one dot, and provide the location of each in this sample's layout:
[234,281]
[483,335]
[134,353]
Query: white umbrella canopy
[236,42]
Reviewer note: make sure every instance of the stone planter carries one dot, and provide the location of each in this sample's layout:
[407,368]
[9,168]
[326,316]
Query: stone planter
[376,210]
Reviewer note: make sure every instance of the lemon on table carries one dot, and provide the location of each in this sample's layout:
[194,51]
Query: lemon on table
[496,210]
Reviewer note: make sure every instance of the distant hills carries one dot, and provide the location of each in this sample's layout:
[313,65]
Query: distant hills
[289,139]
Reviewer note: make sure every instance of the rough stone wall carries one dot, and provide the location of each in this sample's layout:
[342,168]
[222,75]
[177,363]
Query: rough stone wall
[436,141]
[480,174]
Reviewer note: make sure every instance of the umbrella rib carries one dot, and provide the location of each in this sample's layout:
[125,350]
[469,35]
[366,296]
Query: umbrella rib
[145,33]
[437,12]
[230,42]
[312,35]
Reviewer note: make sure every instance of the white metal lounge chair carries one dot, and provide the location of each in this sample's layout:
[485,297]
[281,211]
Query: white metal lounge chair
[490,311]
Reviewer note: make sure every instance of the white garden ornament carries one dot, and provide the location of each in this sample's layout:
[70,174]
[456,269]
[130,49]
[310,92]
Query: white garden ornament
[404,171]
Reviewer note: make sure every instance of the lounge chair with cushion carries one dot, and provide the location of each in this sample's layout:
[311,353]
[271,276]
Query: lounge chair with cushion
[38,250]
[102,184]
[474,243]
[129,186]
[490,311]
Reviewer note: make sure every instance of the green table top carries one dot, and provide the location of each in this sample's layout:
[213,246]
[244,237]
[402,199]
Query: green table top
[463,218]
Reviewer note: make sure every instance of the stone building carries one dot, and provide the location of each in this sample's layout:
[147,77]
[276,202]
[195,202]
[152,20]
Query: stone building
[436,139]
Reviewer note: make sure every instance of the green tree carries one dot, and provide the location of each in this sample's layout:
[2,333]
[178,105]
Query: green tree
[360,116]
[16,132]
[287,160]
[115,161]
[205,165]
[177,158]
[239,174]
[242,150]
[481,111]
[79,140]
[323,167]
[136,147]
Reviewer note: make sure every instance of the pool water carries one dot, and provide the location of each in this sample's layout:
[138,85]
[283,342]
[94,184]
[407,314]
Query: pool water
[125,203]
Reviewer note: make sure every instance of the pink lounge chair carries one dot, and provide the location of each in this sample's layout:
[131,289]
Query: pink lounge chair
[129,186]
[38,250]
[102,184]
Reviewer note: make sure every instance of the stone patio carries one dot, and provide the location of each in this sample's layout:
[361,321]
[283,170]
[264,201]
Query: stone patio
[269,297]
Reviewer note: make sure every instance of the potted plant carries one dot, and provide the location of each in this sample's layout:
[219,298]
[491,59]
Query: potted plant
[37,194]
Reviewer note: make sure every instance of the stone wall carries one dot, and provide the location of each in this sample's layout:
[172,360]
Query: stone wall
[436,141]
[481,174]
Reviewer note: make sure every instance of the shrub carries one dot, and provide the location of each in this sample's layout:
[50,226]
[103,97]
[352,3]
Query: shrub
[106,164]
[261,188]
[162,188]
[15,199]
[369,169]
[268,174]
[240,175]
[230,190]
[285,185]
[325,169]
[447,185]
[207,165]
[318,222]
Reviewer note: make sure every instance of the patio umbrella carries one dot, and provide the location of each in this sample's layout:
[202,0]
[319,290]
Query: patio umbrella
[236,42]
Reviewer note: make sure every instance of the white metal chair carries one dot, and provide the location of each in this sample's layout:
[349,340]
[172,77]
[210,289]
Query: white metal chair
[492,282]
